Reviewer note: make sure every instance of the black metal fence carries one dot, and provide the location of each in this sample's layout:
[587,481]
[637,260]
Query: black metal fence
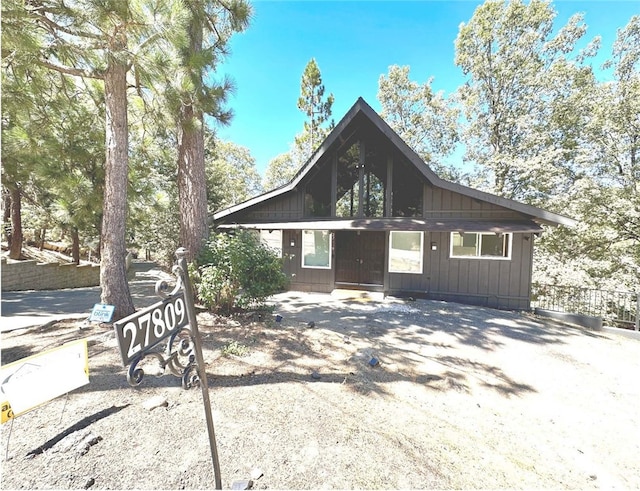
[619,309]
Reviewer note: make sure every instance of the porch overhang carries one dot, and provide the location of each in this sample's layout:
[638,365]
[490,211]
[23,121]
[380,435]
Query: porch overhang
[384,224]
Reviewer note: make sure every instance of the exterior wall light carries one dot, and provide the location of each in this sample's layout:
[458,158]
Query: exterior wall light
[434,246]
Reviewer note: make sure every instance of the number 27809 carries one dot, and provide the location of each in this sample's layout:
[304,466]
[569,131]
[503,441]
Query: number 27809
[146,328]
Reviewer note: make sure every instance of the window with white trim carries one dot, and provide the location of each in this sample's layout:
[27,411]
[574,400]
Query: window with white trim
[479,245]
[406,252]
[273,240]
[316,249]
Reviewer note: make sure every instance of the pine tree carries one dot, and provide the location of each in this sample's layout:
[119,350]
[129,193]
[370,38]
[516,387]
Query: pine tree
[317,109]
[104,41]
[210,26]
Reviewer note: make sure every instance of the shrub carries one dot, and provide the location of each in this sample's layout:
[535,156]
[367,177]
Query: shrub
[236,271]
[234,348]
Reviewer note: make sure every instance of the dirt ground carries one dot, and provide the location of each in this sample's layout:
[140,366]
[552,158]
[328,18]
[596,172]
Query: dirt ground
[461,397]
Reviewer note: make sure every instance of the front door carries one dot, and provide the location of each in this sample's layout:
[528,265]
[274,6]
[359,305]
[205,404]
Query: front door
[360,258]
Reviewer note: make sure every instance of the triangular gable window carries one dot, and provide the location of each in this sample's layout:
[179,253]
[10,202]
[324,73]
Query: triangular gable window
[348,194]
[361,181]
[359,187]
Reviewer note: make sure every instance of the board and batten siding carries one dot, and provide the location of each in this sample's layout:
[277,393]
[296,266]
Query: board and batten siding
[445,206]
[443,203]
[299,278]
[285,207]
[489,282]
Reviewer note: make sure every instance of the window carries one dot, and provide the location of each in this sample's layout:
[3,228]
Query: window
[374,180]
[361,181]
[316,249]
[348,182]
[480,245]
[405,252]
[273,240]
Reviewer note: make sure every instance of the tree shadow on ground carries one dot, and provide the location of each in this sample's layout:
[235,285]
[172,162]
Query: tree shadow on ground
[364,346]
[15,353]
[417,335]
[362,350]
[480,327]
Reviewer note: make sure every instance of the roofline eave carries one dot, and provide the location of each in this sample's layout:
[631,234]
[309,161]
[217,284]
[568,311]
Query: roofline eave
[542,216]
[324,146]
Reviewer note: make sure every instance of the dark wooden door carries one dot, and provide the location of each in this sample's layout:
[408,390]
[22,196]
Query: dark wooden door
[360,258]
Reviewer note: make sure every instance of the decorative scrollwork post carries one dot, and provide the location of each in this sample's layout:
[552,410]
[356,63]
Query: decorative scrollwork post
[175,320]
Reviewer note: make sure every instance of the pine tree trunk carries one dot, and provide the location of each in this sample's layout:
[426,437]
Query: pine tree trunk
[75,245]
[192,188]
[43,237]
[113,274]
[6,214]
[192,183]
[15,249]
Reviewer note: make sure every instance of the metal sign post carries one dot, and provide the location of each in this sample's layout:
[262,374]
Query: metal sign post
[201,367]
[175,320]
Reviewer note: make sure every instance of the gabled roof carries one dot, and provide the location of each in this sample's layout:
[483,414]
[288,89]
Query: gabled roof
[361,107]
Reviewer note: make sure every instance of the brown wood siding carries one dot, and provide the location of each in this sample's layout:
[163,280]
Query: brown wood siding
[494,283]
[498,283]
[303,279]
[285,207]
[443,203]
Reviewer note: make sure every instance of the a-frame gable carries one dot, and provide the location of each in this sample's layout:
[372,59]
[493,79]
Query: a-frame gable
[328,142]
[361,108]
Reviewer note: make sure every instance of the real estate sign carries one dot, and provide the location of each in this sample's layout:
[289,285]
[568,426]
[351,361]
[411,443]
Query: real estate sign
[32,381]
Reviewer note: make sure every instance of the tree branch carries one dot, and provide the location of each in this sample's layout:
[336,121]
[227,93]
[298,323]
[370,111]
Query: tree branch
[55,27]
[76,72]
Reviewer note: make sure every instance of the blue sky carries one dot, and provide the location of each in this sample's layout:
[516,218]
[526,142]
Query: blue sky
[354,42]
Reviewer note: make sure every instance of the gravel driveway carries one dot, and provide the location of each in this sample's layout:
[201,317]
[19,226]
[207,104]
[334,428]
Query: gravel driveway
[348,394]
[545,404]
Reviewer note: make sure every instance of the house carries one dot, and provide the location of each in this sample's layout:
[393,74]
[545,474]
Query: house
[366,212]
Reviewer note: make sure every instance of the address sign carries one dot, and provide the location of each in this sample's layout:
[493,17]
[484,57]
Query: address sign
[146,328]
[173,319]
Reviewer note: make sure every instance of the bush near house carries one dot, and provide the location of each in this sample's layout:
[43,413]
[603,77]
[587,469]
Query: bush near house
[236,271]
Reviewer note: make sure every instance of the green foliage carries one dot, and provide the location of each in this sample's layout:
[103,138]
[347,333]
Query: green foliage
[318,111]
[519,100]
[53,125]
[425,120]
[539,127]
[315,107]
[53,148]
[543,130]
[232,176]
[603,251]
[236,271]
[281,170]
[153,218]
[190,93]
[531,116]
[235,348]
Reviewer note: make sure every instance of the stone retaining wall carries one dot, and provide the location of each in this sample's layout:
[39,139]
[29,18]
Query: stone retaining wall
[32,275]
